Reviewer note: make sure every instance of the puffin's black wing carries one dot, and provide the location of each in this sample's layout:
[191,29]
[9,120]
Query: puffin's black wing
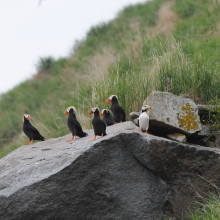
[78,129]
[35,135]
[118,113]
[109,120]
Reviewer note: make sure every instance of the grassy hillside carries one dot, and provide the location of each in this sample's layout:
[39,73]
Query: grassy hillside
[161,45]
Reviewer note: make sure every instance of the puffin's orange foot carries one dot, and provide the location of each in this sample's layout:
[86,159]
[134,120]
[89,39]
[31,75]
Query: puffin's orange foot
[120,121]
[141,131]
[30,142]
[145,132]
[115,123]
[73,139]
[93,138]
[101,136]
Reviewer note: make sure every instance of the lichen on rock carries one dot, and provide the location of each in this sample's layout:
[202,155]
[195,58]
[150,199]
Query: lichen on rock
[172,114]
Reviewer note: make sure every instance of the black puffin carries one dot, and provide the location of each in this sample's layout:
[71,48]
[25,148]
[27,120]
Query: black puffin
[97,123]
[73,125]
[117,110]
[108,119]
[144,119]
[31,132]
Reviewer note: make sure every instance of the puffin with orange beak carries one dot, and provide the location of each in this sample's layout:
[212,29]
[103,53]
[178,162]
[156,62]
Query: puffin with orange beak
[73,125]
[108,119]
[117,110]
[31,132]
[99,126]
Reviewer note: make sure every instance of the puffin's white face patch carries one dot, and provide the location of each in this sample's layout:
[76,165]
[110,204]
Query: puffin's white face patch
[113,96]
[26,116]
[104,110]
[74,109]
[94,109]
[144,107]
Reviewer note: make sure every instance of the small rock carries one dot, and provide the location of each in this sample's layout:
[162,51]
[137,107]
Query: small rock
[205,131]
[177,137]
[134,115]
[136,121]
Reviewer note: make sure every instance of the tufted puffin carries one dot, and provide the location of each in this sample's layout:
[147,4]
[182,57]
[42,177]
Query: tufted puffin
[31,132]
[73,125]
[97,123]
[108,119]
[117,110]
[144,119]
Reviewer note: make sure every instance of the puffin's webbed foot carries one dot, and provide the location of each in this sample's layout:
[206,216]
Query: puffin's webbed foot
[101,136]
[73,139]
[30,142]
[94,138]
[144,132]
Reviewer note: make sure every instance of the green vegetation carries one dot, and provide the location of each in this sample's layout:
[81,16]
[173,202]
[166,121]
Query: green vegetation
[210,209]
[160,45]
[45,64]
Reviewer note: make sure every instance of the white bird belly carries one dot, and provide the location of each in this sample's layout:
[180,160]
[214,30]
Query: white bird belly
[144,121]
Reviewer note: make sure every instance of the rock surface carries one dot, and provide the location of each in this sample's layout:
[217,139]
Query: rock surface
[177,137]
[125,175]
[172,114]
[134,115]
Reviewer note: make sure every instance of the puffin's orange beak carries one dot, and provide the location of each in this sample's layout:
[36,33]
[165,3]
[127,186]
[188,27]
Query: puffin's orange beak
[29,118]
[66,113]
[101,114]
[108,100]
[90,112]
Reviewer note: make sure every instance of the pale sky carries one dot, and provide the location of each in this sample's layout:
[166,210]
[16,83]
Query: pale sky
[29,31]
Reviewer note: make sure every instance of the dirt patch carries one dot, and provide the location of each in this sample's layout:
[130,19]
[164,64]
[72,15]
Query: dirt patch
[167,19]
[100,62]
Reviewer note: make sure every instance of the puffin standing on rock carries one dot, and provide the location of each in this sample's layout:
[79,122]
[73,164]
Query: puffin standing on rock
[73,125]
[117,110]
[108,119]
[97,123]
[144,119]
[31,132]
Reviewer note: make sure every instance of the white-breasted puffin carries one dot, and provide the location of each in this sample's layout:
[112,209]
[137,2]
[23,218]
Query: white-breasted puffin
[73,125]
[31,132]
[144,119]
[117,110]
[98,124]
[108,119]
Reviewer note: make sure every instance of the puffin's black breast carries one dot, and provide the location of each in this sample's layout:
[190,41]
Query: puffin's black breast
[70,124]
[98,126]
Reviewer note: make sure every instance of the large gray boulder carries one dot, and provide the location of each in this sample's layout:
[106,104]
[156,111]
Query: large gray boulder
[172,114]
[125,175]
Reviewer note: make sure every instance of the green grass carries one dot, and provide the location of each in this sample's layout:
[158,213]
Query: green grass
[184,62]
[210,209]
